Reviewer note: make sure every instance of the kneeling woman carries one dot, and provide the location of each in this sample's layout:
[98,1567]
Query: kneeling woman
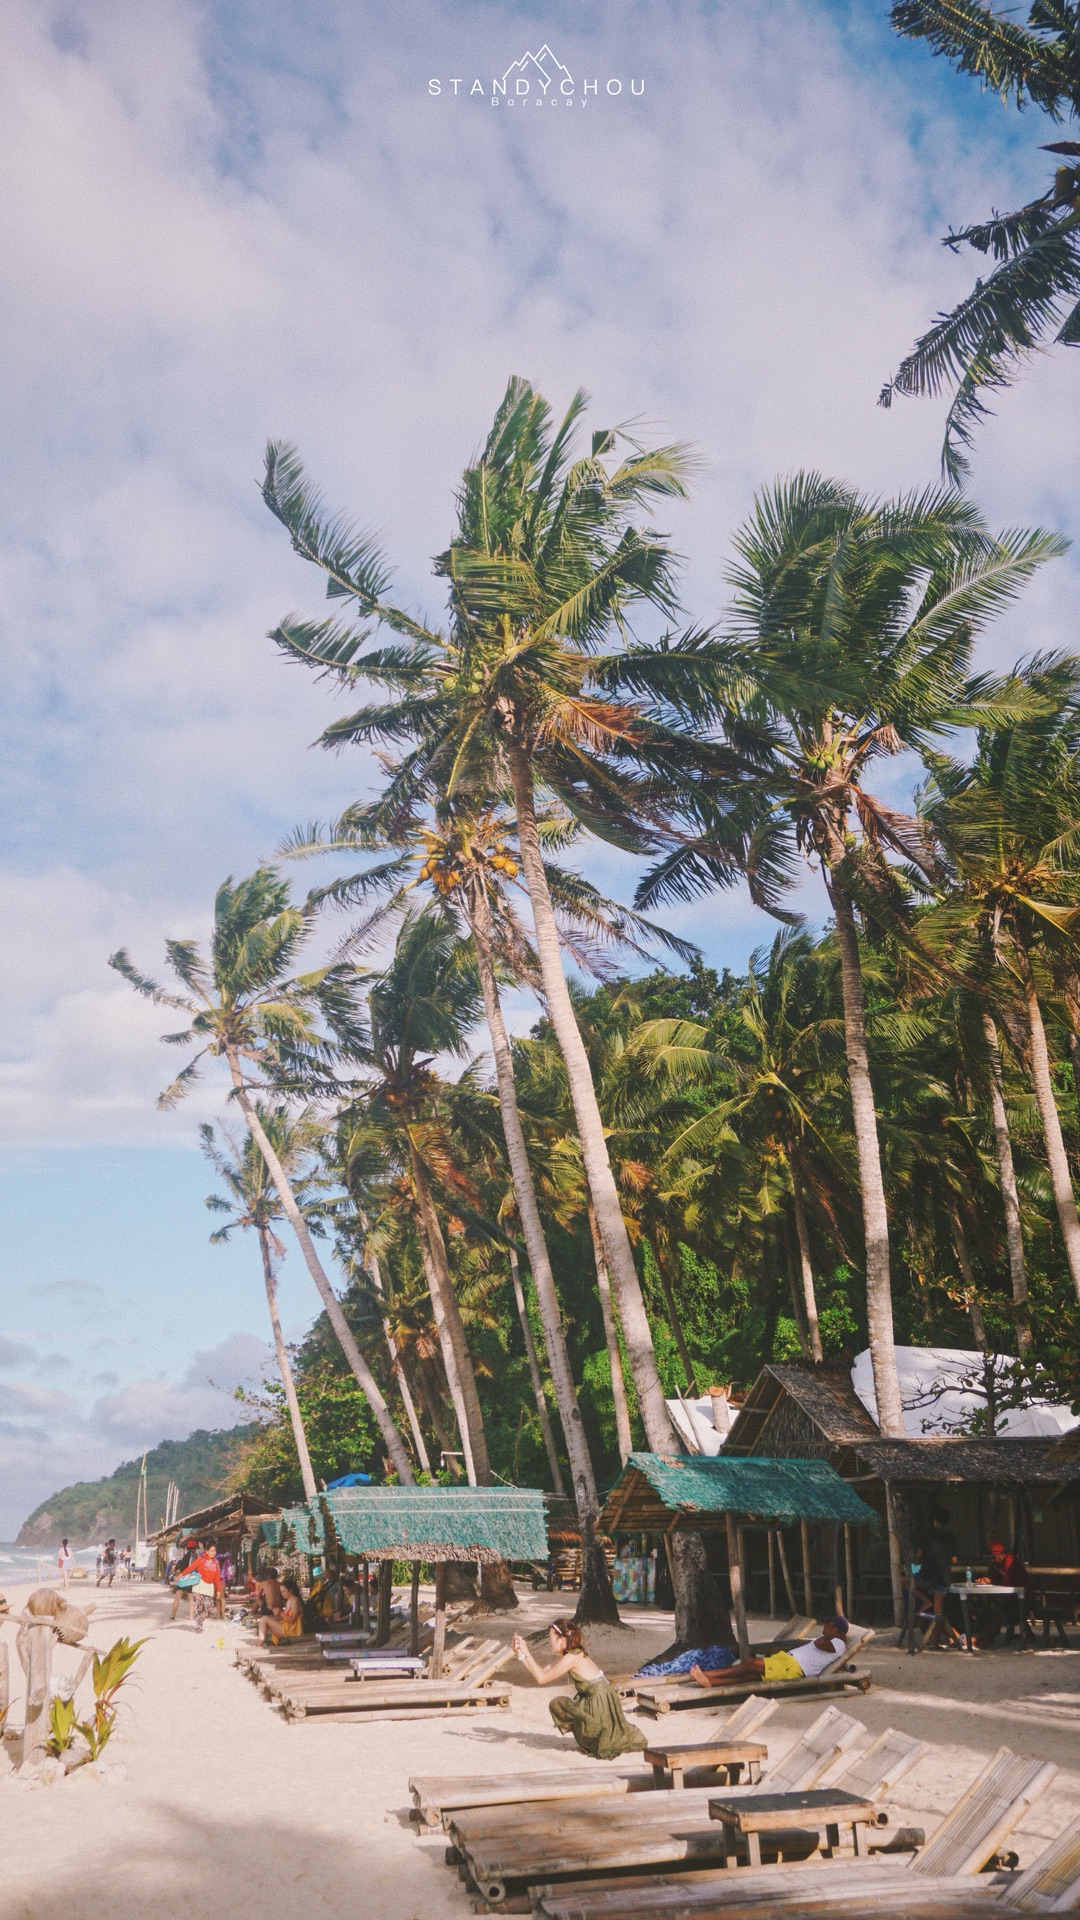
[595,1716]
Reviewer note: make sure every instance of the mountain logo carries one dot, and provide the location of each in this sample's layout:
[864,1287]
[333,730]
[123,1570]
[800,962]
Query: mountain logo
[542,67]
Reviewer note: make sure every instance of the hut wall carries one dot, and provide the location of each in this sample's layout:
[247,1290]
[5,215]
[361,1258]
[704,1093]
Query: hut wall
[790,1434]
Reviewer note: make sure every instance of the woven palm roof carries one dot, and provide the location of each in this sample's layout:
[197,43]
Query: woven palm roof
[824,1394]
[438,1523]
[1000,1461]
[238,1513]
[303,1529]
[698,1493]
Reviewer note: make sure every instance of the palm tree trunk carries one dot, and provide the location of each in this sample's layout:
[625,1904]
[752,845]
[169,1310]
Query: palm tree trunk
[673,1314]
[623,1434]
[806,1270]
[1009,1192]
[363,1375]
[618,1252]
[967,1274]
[535,1376]
[1060,1177]
[398,1364]
[459,1366]
[285,1370]
[798,1305]
[596,1602]
[879,1311]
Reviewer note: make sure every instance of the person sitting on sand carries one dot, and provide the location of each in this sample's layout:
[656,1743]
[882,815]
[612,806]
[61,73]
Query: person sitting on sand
[594,1716]
[794,1663]
[285,1622]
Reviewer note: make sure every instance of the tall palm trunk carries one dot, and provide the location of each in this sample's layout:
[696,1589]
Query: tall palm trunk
[590,1126]
[879,1310]
[398,1364]
[285,1370]
[967,1274]
[1060,1178]
[536,1378]
[455,1348]
[362,1373]
[806,1270]
[596,1602]
[698,1612]
[1014,1236]
[623,1434]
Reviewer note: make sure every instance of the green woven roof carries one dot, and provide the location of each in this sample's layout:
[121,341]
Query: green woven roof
[653,1488]
[304,1529]
[271,1532]
[439,1523]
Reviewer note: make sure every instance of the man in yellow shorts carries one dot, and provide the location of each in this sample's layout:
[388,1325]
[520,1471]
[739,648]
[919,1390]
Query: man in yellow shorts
[810,1657]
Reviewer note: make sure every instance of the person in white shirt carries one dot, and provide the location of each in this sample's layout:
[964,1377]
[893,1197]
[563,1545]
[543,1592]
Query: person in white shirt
[65,1560]
[801,1662]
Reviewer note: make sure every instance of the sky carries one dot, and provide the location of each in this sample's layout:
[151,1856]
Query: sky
[222,223]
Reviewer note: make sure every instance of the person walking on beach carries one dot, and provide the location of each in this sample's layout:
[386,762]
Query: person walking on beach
[594,1714]
[108,1564]
[65,1560]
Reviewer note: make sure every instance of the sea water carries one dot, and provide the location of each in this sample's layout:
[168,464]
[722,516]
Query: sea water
[23,1566]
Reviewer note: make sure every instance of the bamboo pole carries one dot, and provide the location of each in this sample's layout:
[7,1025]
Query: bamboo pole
[808,1585]
[849,1571]
[771,1544]
[386,1572]
[782,1550]
[439,1639]
[414,1610]
[735,1580]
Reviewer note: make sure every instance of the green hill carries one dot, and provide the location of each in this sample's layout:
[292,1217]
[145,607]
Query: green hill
[203,1467]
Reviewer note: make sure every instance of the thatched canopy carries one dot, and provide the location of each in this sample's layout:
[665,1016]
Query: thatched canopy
[239,1514]
[1001,1461]
[481,1524]
[829,1412]
[656,1493]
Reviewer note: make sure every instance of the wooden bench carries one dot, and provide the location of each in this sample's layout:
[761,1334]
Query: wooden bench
[728,1757]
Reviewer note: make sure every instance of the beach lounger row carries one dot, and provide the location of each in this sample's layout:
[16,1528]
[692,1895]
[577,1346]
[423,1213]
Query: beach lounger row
[297,1680]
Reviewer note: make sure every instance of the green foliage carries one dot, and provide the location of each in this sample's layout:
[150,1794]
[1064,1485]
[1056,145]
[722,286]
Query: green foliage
[62,1725]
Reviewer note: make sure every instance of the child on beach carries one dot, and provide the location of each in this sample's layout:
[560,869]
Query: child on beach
[594,1716]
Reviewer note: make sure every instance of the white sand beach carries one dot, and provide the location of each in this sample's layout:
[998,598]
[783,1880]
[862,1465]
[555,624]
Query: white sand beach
[211,1802]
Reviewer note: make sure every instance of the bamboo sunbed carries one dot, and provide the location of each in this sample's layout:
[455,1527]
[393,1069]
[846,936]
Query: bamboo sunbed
[837,1678]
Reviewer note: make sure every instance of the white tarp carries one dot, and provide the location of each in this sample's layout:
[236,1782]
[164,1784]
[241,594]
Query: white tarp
[936,1401]
[695,1422]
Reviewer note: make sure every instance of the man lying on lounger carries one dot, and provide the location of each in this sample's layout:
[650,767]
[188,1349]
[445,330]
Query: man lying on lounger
[810,1657]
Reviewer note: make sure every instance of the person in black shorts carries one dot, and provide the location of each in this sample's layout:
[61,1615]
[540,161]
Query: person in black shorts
[936,1556]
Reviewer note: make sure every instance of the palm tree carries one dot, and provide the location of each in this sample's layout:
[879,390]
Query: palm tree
[421,1005]
[850,641]
[981,345]
[1010,828]
[254,1203]
[465,850]
[246,1009]
[546,565]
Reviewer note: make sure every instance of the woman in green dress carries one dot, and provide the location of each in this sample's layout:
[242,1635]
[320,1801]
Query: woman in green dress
[593,1715]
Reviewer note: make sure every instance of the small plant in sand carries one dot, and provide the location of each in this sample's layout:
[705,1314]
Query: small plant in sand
[110,1671]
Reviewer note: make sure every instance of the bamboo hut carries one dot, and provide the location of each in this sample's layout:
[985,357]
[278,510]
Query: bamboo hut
[425,1525]
[1026,1489]
[732,1499]
[235,1526]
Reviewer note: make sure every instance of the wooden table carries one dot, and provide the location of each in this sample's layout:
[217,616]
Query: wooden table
[826,1808]
[981,1591]
[368,1666]
[730,1756]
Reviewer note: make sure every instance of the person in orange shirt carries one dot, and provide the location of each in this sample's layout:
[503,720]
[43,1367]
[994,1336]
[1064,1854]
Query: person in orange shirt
[285,1622]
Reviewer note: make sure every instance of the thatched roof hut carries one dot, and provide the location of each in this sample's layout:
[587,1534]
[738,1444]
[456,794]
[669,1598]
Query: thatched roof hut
[436,1524]
[690,1493]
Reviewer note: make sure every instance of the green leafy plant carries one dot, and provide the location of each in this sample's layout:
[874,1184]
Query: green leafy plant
[61,1726]
[110,1671]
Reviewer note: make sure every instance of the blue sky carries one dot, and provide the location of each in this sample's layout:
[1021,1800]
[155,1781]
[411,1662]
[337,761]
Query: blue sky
[222,223]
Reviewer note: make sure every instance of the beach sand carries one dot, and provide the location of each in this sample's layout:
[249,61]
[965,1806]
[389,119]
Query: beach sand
[210,1802]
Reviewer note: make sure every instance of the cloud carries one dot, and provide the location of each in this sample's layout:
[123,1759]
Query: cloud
[50,1439]
[72,1292]
[14,1354]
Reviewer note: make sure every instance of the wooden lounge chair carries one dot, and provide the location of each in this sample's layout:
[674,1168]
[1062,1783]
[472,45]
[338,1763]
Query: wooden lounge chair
[1052,1883]
[966,1842]
[838,1677]
[507,1844]
[437,1797]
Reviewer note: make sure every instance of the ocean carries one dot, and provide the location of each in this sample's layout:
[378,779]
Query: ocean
[21,1564]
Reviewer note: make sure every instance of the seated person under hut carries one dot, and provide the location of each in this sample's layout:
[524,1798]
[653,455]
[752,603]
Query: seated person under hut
[810,1657]
[594,1714]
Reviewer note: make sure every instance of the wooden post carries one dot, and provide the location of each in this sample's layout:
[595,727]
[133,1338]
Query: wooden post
[849,1571]
[782,1550]
[386,1573]
[892,1515]
[5,1682]
[414,1610]
[834,1570]
[439,1640]
[771,1542]
[40,1637]
[365,1597]
[808,1585]
[735,1577]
